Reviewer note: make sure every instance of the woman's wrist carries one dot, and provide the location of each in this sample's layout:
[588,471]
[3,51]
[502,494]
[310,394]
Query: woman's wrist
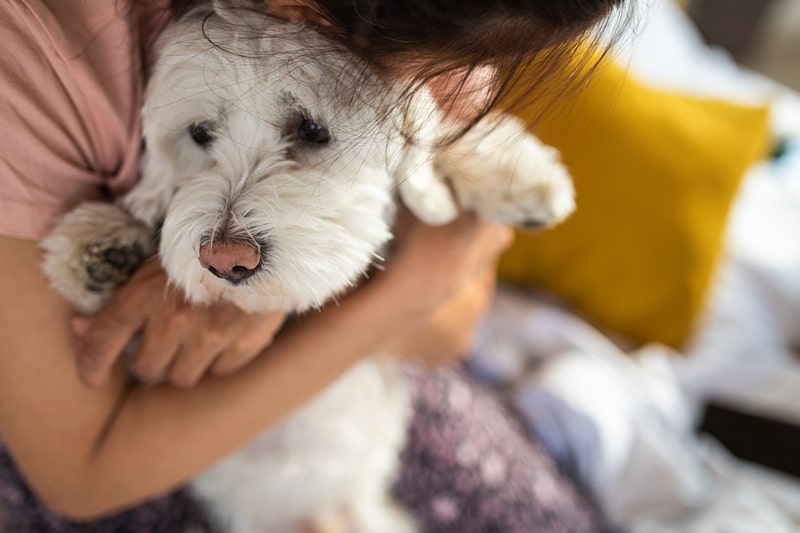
[447,333]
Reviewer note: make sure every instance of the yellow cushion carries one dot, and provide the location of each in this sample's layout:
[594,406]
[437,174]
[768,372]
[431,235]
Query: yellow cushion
[655,174]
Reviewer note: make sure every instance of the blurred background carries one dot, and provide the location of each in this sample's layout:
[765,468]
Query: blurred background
[666,371]
[760,34]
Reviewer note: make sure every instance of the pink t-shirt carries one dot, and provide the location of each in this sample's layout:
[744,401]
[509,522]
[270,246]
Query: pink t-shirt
[71,80]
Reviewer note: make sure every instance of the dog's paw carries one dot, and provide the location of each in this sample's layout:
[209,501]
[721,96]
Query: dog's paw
[92,250]
[106,267]
[427,196]
[423,190]
[504,174]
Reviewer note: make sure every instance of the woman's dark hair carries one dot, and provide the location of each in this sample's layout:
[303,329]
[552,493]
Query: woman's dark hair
[511,35]
[442,36]
[483,30]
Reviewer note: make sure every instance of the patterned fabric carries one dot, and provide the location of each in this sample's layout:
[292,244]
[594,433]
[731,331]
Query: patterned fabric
[467,468]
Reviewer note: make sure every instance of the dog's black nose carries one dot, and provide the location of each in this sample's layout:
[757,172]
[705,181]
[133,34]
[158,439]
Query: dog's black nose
[235,275]
[231,260]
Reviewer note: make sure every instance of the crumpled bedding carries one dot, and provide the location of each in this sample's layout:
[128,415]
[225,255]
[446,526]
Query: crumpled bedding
[622,421]
[622,424]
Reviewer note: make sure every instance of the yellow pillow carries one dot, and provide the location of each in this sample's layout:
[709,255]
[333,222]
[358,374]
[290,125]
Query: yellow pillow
[655,174]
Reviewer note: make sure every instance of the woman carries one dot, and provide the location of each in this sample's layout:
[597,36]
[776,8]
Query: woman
[72,78]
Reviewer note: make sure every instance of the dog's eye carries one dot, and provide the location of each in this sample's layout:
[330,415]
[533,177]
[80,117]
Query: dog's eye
[313,132]
[202,133]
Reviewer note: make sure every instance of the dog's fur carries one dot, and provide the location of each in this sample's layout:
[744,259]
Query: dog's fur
[319,211]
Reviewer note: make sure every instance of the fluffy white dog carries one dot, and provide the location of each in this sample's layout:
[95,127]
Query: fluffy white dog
[273,164]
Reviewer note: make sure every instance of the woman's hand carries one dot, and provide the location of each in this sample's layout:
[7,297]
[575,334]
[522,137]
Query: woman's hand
[448,333]
[178,341]
[446,276]
[432,263]
[182,342]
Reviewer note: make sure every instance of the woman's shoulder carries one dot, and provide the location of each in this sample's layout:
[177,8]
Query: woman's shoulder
[71,75]
[68,27]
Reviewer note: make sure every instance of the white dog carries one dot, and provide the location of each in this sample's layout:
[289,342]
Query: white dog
[272,166]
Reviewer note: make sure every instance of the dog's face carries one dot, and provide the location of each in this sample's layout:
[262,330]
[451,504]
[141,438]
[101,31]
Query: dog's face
[282,175]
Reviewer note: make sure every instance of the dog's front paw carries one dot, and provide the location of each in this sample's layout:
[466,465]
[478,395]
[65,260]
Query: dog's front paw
[92,250]
[427,196]
[108,266]
[504,174]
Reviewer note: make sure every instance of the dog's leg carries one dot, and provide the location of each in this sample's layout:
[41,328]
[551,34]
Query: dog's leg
[504,174]
[92,250]
[423,192]
[149,200]
[97,246]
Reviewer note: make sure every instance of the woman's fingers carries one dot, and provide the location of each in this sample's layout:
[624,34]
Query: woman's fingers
[177,340]
[233,360]
[250,341]
[431,263]
[158,346]
[188,368]
[491,240]
[189,342]
[212,333]
[447,333]
[101,345]
[114,327]
[107,335]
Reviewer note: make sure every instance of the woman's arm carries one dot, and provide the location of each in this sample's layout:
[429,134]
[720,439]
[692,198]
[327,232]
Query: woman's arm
[89,452]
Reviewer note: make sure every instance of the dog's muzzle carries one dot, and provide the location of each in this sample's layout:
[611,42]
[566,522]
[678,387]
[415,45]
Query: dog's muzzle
[232,260]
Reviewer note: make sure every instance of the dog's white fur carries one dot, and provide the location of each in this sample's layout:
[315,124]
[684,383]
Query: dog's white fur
[321,213]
